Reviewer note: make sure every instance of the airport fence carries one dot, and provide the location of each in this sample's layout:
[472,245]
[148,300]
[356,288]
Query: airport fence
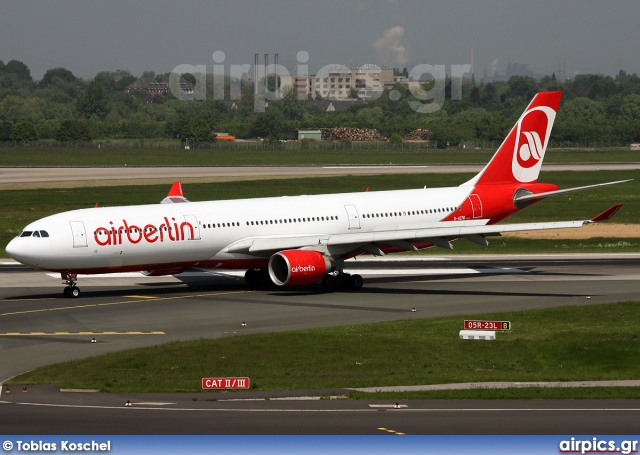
[301,145]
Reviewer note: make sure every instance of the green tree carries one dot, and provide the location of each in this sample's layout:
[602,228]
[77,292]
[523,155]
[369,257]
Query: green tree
[200,130]
[631,107]
[522,87]
[93,101]
[19,69]
[6,130]
[583,109]
[115,81]
[25,131]
[267,124]
[56,77]
[74,130]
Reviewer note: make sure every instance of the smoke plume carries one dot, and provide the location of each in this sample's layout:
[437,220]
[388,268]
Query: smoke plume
[390,48]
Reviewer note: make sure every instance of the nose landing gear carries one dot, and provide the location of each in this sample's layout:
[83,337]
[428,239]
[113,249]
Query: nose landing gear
[71,290]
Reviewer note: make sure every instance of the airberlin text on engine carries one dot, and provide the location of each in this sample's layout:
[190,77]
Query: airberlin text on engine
[150,233]
[303,269]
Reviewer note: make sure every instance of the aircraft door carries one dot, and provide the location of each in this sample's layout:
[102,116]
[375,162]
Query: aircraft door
[476,205]
[186,231]
[79,234]
[352,215]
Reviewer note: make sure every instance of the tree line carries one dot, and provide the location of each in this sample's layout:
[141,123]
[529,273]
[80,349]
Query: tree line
[64,107]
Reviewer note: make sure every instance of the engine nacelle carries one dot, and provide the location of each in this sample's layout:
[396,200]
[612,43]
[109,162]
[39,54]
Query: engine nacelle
[162,272]
[299,267]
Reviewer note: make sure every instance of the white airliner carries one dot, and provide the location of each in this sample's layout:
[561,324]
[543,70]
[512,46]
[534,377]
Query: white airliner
[301,240]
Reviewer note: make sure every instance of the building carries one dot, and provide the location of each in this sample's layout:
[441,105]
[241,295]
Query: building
[158,85]
[340,83]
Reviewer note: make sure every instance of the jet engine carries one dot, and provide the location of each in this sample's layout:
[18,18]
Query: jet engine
[299,267]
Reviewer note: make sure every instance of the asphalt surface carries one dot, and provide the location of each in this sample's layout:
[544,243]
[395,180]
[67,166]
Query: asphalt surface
[38,327]
[55,176]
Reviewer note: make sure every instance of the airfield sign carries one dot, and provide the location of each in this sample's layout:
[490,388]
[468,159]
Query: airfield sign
[486,325]
[225,383]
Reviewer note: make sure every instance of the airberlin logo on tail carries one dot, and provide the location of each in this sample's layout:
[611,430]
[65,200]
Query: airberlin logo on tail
[168,231]
[532,136]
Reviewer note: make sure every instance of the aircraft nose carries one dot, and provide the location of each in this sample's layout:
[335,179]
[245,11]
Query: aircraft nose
[16,250]
[12,249]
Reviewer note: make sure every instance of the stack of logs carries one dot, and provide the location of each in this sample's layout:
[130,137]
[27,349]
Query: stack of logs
[418,135]
[351,134]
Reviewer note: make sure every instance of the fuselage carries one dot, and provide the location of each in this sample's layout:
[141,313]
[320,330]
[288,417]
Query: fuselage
[174,236]
[298,240]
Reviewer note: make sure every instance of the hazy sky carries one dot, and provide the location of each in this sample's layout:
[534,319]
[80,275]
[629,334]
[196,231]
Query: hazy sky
[87,36]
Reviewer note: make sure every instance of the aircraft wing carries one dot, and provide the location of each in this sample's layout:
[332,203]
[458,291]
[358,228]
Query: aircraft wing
[437,234]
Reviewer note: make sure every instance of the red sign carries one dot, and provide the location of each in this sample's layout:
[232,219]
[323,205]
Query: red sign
[487,325]
[225,383]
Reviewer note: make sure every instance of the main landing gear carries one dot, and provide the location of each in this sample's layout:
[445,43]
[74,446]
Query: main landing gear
[258,278]
[342,282]
[71,290]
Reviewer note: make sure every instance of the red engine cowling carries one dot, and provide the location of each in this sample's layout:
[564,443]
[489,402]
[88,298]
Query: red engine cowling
[298,267]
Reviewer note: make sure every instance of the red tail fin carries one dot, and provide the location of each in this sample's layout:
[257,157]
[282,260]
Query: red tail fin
[520,156]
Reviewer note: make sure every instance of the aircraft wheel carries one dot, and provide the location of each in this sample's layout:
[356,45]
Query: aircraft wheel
[356,282]
[252,278]
[347,281]
[74,292]
[325,282]
[67,292]
[264,280]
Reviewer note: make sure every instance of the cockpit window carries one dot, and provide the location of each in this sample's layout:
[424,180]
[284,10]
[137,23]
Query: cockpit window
[34,234]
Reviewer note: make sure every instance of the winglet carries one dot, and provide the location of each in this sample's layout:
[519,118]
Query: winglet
[175,195]
[607,214]
[176,190]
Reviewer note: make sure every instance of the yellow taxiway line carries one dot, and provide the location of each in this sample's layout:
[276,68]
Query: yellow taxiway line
[123,302]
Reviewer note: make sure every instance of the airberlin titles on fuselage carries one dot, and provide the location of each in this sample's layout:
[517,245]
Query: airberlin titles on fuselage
[150,233]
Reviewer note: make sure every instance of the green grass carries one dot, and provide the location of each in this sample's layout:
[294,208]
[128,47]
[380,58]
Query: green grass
[532,393]
[20,207]
[238,155]
[512,245]
[599,342]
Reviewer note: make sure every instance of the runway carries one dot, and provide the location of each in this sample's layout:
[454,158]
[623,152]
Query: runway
[38,327]
[48,177]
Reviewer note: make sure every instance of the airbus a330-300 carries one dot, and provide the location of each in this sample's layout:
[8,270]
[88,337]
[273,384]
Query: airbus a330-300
[301,240]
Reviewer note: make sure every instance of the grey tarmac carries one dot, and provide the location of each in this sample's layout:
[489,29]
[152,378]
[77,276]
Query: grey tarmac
[53,329]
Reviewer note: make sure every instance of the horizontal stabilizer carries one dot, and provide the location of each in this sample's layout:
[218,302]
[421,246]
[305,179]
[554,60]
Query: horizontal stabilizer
[533,197]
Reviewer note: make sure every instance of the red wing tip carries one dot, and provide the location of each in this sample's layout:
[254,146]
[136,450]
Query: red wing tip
[607,214]
[176,190]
